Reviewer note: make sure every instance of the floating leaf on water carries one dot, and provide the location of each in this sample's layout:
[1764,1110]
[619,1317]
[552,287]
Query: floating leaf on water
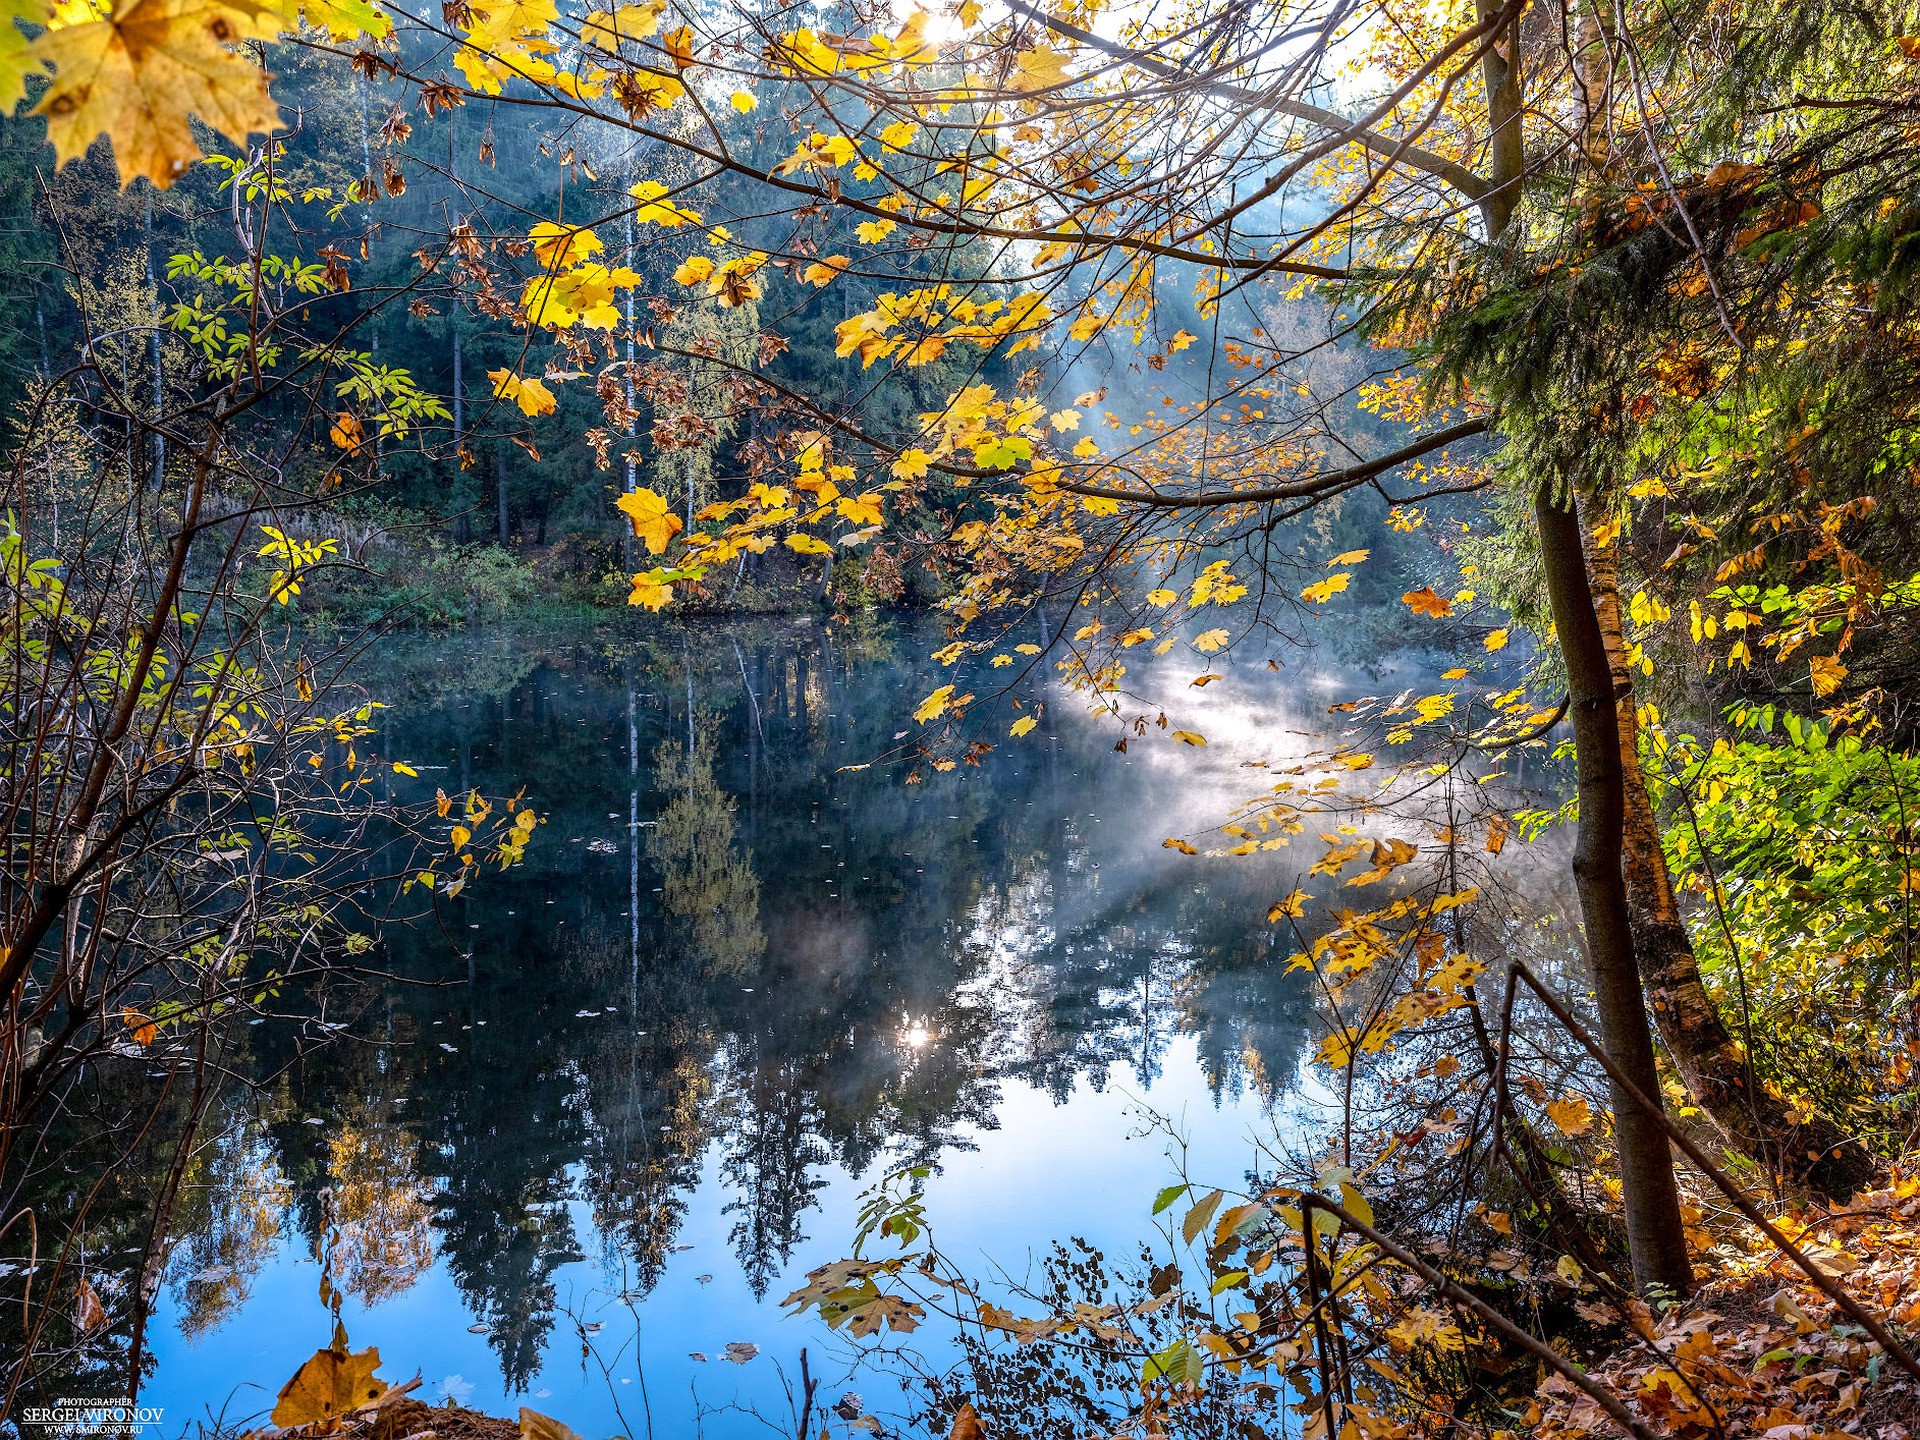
[741,1351]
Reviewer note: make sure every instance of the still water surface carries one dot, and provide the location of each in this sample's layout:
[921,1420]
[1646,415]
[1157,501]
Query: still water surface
[640,1082]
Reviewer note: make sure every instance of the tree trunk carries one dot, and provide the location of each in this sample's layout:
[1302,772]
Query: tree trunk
[500,488]
[1655,1236]
[1811,1151]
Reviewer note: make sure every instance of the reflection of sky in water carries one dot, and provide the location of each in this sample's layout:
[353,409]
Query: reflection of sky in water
[827,974]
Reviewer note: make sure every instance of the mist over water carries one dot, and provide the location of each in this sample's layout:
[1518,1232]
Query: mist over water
[623,1097]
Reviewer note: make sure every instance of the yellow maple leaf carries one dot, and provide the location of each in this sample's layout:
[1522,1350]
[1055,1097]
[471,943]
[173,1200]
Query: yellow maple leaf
[532,396]
[825,270]
[1324,590]
[743,101]
[556,245]
[693,270]
[934,705]
[1023,725]
[802,543]
[1827,673]
[1427,601]
[656,209]
[1190,737]
[650,590]
[138,73]
[605,30]
[1497,640]
[911,465]
[653,519]
[1571,1115]
[1039,69]
[679,46]
[1294,906]
[328,1386]
[15,63]
[1210,641]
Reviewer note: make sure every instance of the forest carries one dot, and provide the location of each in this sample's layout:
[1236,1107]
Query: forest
[1034,719]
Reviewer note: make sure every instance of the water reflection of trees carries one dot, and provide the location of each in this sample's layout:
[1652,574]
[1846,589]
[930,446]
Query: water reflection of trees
[792,968]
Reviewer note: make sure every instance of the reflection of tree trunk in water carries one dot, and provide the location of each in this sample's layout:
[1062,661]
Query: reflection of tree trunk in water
[1814,1151]
[754,736]
[1654,1230]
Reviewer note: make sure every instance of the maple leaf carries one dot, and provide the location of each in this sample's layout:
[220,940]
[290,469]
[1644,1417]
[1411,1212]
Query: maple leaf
[605,30]
[1322,591]
[912,464]
[535,1426]
[1023,725]
[1571,1115]
[825,270]
[1293,906]
[1039,69]
[743,101]
[1496,640]
[137,74]
[803,544]
[346,19]
[532,396]
[650,591]
[1827,673]
[679,46]
[1210,641]
[934,705]
[328,1386]
[15,64]
[653,519]
[1427,601]
[655,209]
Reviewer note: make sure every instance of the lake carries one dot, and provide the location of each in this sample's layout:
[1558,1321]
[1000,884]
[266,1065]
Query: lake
[596,1117]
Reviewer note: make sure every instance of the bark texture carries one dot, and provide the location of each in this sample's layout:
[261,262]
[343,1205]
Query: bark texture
[1808,1150]
[1655,1234]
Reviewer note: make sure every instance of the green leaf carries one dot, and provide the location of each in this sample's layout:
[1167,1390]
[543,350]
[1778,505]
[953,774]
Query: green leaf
[1167,1196]
[1179,1362]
